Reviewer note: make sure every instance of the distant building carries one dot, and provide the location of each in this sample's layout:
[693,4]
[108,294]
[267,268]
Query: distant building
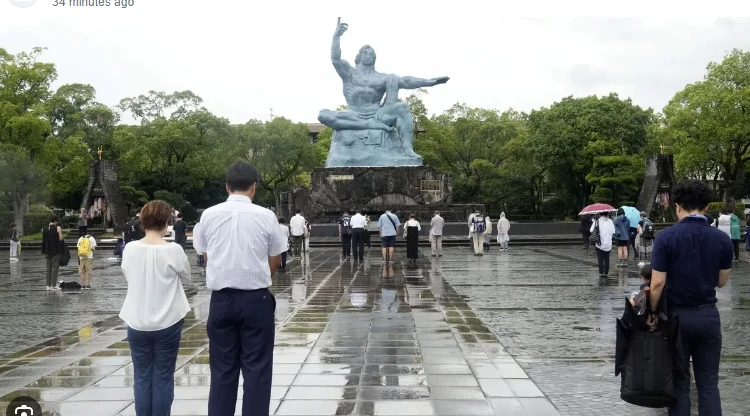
[313,130]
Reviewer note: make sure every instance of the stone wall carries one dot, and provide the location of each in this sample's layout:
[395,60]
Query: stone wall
[418,189]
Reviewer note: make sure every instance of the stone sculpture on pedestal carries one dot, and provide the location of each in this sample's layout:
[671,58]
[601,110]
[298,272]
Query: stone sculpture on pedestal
[373,131]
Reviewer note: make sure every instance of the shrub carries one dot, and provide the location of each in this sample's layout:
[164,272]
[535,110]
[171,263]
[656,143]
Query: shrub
[715,207]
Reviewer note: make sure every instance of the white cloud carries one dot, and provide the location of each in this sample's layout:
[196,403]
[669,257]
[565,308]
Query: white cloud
[246,57]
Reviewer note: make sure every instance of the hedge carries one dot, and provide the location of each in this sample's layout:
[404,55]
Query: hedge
[35,219]
[715,207]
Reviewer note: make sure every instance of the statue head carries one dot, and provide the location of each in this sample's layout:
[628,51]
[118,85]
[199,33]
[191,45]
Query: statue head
[366,56]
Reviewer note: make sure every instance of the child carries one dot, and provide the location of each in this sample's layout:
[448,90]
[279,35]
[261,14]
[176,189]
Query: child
[639,299]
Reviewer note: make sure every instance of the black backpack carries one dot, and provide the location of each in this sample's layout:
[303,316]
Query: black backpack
[346,225]
[648,230]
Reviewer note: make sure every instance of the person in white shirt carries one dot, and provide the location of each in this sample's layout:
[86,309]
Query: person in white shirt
[298,229]
[154,310]
[285,235]
[359,228]
[604,245]
[86,246]
[242,244]
[436,235]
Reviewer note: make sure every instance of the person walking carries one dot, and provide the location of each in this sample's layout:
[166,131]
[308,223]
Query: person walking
[585,231]
[180,231]
[645,237]
[689,261]
[298,229]
[734,232]
[359,234]
[411,232]
[477,229]
[285,235]
[308,233]
[154,310]
[52,248]
[471,233]
[436,235]
[388,225]
[243,246]
[487,233]
[622,236]
[503,227]
[14,242]
[86,246]
[603,247]
[83,222]
[345,234]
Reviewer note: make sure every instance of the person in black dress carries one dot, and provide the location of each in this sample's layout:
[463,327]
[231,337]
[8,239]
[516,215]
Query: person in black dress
[180,231]
[52,248]
[412,229]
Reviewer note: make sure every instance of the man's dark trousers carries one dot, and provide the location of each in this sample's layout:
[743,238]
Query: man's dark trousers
[700,328]
[241,336]
[358,242]
[346,244]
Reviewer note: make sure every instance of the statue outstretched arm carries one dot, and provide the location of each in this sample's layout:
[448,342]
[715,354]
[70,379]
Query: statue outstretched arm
[342,67]
[410,83]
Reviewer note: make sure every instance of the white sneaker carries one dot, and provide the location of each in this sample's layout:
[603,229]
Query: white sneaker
[14,259]
[49,288]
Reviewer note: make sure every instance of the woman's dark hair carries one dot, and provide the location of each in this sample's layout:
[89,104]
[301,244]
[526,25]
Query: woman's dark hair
[155,214]
[282,220]
[241,176]
[52,218]
[620,211]
[729,209]
[412,216]
[692,195]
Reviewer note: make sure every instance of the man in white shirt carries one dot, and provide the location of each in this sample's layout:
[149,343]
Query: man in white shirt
[436,235]
[359,228]
[242,246]
[86,246]
[298,227]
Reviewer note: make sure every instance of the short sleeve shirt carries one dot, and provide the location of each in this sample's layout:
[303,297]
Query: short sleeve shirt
[386,226]
[692,253]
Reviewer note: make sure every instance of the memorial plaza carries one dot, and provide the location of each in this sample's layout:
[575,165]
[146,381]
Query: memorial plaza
[530,331]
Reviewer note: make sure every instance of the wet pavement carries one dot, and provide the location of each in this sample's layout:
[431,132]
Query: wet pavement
[352,339]
[524,332]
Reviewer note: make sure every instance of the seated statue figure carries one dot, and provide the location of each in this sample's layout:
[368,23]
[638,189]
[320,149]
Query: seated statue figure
[369,119]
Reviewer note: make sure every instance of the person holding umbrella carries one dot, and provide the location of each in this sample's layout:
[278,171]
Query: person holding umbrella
[634,218]
[603,228]
[622,235]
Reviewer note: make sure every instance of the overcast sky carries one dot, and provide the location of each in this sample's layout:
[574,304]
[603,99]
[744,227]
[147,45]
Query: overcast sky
[245,57]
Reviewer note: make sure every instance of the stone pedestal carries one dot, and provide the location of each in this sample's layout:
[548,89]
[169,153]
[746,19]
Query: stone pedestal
[365,148]
[408,189]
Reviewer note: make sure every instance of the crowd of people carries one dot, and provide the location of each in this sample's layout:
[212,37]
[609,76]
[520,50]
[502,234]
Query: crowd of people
[242,245]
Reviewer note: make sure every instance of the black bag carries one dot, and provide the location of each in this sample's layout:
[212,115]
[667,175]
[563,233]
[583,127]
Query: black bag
[595,238]
[346,225]
[648,230]
[64,254]
[648,361]
[119,247]
[70,286]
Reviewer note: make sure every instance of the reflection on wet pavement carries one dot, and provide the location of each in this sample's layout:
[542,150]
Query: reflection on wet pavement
[352,339]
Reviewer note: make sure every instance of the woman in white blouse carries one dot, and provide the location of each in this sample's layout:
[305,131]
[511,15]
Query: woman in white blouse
[154,309]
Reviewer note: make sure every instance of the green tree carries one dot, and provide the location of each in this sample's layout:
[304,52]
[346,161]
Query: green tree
[24,89]
[711,122]
[570,134]
[281,151]
[616,179]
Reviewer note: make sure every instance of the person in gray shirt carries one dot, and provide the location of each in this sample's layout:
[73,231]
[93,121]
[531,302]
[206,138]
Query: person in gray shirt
[436,235]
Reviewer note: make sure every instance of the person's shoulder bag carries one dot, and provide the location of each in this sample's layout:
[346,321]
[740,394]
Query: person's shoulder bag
[595,236]
[392,222]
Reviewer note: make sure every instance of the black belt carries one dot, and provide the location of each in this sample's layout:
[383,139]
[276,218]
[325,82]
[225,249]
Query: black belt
[233,290]
[707,305]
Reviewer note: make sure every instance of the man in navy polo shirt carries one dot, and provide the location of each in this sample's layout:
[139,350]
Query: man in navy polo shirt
[691,259]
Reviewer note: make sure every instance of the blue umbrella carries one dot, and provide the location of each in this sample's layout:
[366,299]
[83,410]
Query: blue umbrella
[634,216]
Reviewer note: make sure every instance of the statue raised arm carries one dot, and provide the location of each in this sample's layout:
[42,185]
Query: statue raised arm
[343,67]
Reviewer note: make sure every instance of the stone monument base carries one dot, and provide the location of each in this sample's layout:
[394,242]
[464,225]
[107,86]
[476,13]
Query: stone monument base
[409,189]
[369,148]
